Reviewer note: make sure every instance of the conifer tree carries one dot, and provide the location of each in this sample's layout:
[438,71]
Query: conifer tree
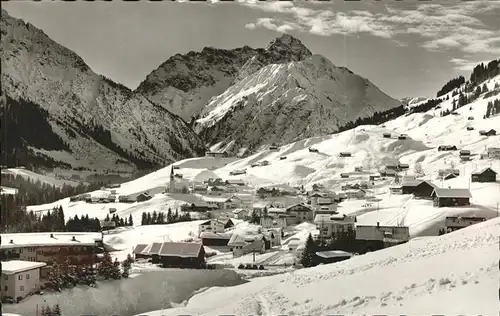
[130,220]
[144,219]
[308,255]
[56,310]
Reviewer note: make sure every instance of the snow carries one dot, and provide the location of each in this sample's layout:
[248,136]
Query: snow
[36,239]
[451,274]
[33,176]
[16,266]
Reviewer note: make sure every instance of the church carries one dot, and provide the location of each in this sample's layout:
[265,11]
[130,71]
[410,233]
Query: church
[177,185]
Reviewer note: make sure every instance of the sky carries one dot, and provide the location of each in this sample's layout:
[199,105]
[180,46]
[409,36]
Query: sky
[406,48]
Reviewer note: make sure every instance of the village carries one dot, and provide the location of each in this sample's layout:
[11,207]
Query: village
[258,225]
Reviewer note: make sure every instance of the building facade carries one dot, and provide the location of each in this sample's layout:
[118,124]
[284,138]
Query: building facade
[20,278]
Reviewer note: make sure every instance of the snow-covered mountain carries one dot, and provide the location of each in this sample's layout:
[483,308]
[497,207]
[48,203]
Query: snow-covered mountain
[410,102]
[57,107]
[185,83]
[286,102]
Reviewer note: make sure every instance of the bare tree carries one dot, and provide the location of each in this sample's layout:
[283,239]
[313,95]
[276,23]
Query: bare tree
[418,169]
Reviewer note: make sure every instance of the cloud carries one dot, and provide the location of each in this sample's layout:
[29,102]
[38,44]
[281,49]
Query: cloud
[439,27]
[466,65]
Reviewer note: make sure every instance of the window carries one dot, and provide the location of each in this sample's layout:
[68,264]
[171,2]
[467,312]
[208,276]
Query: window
[21,288]
[27,276]
[6,277]
[6,288]
[20,277]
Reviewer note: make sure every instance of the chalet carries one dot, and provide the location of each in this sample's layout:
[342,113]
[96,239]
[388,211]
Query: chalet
[276,212]
[408,186]
[403,166]
[331,225]
[493,152]
[20,279]
[302,212]
[358,169]
[238,172]
[294,245]
[229,188]
[392,166]
[216,154]
[143,197]
[386,135]
[445,172]
[110,199]
[345,154]
[212,239]
[387,235]
[450,176]
[215,226]
[199,206]
[282,157]
[236,182]
[397,189]
[137,251]
[355,194]
[152,251]
[331,256]
[264,192]
[339,197]
[79,248]
[451,197]
[313,150]
[215,190]
[470,128]
[125,199]
[241,245]
[182,255]
[242,200]
[464,152]
[447,148]
[318,186]
[424,190]
[402,136]
[490,132]
[254,165]
[273,235]
[453,223]
[344,175]
[485,175]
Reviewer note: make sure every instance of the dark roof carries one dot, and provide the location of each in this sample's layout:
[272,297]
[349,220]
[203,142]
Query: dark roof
[152,249]
[429,183]
[210,235]
[180,249]
[483,171]
[139,248]
[452,193]
[333,254]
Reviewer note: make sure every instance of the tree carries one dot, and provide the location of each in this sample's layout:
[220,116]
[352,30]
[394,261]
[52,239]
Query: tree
[55,277]
[56,310]
[144,219]
[130,220]
[308,255]
[127,264]
[106,266]
[418,169]
[170,217]
[255,218]
[115,270]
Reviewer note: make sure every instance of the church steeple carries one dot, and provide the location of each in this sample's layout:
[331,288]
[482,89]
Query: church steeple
[172,173]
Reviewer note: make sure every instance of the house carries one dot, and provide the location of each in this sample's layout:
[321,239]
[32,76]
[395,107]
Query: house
[110,199]
[332,256]
[445,172]
[345,154]
[402,136]
[264,192]
[79,248]
[355,194]
[447,148]
[313,150]
[424,190]
[450,176]
[490,132]
[485,175]
[453,223]
[493,152]
[238,172]
[215,226]
[20,278]
[451,197]
[358,169]
[200,188]
[237,182]
[267,221]
[374,177]
[344,175]
[264,163]
[470,118]
[152,251]
[241,244]
[403,166]
[198,206]
[240,213]
[396,189]
[392,166]
[273,237]
[212,239]
[137,251]
[294,245]
[273,148]
[182,255]
[339,197]
[282,157]
[10,191]
[326,208]
[464,152]
[143,197]
[386,135]
[408,186]
[331,225]
[470,128]
[387,235]
[216,154]
[302,212]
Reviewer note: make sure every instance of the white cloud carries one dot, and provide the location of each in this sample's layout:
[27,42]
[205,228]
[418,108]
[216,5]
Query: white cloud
[440,27]
[463,64]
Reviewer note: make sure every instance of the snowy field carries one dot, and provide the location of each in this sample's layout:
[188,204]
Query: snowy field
[453,274]
[33,176]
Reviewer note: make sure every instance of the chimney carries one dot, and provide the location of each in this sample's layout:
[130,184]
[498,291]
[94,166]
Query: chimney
[73,238]
[12,241]
[51,235]
[378,224]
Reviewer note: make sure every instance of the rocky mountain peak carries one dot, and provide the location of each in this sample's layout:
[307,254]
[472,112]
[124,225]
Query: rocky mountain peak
[289,45]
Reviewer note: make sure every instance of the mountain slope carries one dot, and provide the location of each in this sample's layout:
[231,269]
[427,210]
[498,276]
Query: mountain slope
[287,102]
[185,83]
[103,125]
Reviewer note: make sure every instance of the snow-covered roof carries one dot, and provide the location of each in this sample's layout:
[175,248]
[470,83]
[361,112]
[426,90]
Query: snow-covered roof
[410,182]
[333,254]
[238,211]
[152,249]
[482,171]
[16,266]
[45,239]
[452,193]
[212,235]
[139,248]
[180,249]
[215,199]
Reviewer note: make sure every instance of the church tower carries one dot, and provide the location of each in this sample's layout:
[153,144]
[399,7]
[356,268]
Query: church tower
[171,184]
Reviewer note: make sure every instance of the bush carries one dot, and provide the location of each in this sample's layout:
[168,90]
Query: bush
[241,266]
[255,267]
[248,266]
[261,267]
